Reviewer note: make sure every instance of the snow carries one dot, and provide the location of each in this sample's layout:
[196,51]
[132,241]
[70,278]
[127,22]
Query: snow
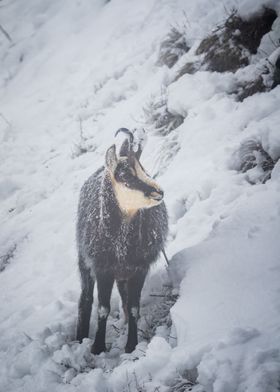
[71,77]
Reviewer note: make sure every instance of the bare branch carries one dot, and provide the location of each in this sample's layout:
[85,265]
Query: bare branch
[4,118]
[7,35]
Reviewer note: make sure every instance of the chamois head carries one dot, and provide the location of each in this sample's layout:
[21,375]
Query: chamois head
[133,187]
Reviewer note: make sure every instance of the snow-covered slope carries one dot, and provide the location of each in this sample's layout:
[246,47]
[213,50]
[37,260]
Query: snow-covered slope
[72,75]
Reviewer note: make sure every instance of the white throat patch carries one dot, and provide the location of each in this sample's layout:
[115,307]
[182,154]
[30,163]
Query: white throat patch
[132,200]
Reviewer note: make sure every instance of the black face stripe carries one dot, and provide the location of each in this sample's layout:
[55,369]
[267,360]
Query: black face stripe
[143,187]
[126,173]
[142,168]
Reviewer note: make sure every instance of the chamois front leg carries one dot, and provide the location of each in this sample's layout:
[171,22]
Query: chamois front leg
[122,286]
[134,288]
[105,283]
[85,303]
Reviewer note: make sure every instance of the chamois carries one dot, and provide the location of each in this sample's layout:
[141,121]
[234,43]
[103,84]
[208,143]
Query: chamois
[121,229]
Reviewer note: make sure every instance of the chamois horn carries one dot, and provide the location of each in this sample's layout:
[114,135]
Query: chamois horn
[128,142]
[127,145]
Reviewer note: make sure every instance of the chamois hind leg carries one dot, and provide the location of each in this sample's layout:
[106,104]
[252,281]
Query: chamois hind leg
[122,286]
[134,288]
[104,287]
[85,303]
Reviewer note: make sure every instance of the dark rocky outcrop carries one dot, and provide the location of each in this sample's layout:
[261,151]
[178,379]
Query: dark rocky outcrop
[230,46]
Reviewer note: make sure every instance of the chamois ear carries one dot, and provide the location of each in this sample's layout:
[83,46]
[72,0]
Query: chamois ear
[111,158]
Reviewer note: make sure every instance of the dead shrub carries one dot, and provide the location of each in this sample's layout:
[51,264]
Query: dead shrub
[6,258]
[276,73]
[84,145]
[166,152]
[172,48]
[185,381]
[160,118]
[160,121]
[189,68]
[251,88]
[251,158]
[159,314]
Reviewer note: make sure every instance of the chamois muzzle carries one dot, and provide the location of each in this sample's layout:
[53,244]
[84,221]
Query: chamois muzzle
[157,195]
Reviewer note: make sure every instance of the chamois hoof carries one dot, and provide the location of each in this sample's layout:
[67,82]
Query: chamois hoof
[96,349]
[129,349]
[80,337]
